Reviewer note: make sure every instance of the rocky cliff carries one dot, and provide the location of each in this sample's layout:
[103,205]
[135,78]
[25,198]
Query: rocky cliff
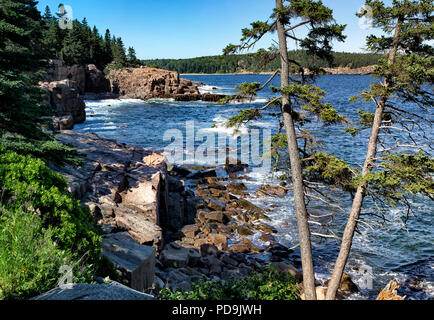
[65,86]
[147,83]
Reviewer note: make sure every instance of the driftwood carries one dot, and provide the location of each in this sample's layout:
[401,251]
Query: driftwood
[390,292]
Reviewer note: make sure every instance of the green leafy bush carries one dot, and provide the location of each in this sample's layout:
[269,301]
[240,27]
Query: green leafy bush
[29,259]
[27,184]
[269,284]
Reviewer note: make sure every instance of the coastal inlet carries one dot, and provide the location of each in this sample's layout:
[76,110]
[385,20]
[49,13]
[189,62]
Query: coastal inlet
[393,252]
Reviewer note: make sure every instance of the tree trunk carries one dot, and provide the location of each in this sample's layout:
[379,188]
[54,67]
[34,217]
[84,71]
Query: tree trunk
[347,238]
[296,171]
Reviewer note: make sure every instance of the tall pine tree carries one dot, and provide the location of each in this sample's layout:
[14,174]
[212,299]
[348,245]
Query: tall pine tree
[21,61]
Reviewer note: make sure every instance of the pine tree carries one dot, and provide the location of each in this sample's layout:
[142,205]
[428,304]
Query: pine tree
[294,96]
[118,51]
[405,79]
[74,50]
[107,48]
[131,57]
[21,60]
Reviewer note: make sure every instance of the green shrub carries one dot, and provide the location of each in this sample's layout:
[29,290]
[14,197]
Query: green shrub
[29,259]
[268,284]
[27,184]
[47,149]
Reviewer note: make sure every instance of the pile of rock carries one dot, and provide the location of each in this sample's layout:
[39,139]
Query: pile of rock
[131,197]
[217,245]
[147,83]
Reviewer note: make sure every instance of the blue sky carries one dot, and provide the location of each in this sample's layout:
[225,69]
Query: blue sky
[194,28]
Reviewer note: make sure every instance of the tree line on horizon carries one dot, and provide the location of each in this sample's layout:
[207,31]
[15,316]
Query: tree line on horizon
[255,62]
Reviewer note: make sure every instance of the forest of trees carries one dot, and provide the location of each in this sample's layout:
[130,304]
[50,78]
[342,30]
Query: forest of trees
[256,63]
[83,44]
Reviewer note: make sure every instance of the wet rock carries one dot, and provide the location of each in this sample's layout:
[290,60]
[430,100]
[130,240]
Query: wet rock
[214,216]
[190,231]
[244,231]
[266,237]
[290,269]
[239,248]
[203,174]
[266,228]
[346,285]
[250,246]
[280,251]
[179,171]
[235,165]
[219,240]
[237,188]
[254,211]
[216,205]
[216,186]
[271,191]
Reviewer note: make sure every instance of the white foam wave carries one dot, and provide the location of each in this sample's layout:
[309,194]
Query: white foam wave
[111,102]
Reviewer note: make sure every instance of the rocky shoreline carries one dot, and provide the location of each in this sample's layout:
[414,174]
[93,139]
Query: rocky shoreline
[166,226]
[163,226]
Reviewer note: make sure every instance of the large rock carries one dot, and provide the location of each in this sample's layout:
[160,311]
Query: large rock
[127,187]
[93,292]
[144,197]
[63,123]
[96,81]
[175,256]
[142,230]
[147,83]
[64,97]
[135,262]
[347,285]
[58,71]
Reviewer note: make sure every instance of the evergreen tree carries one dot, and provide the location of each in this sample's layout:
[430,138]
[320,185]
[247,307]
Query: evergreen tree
[21,61]
[405,80]
[131,57]
[294,96]
[118,51]
[73,47]
[107,47]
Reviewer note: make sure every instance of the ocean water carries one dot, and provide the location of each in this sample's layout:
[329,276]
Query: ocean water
[381,252]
